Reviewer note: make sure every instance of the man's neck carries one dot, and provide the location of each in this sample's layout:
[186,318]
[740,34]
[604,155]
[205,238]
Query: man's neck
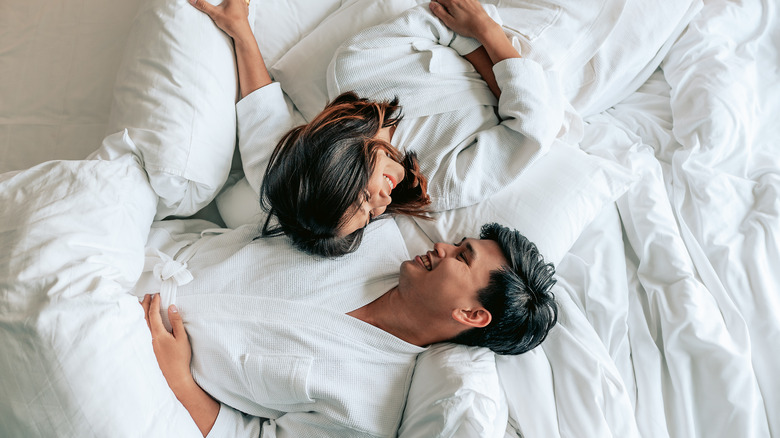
[389,314]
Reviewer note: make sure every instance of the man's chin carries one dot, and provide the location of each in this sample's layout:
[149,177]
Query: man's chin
[409,266]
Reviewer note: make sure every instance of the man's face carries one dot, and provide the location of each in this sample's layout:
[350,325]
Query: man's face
[450,276]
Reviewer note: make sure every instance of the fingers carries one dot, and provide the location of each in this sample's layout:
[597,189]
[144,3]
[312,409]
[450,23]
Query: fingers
[147,301]
[154,318]
[176,323]
[204,6]
[452,5]
[440,11]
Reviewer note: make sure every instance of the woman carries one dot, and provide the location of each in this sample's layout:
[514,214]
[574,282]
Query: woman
[328,178]
[349,166]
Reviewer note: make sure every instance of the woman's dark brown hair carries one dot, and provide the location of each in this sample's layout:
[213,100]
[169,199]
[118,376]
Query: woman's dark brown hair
[318,172]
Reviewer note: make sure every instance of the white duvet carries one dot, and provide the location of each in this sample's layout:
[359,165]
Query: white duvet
[75,347]
[670,308]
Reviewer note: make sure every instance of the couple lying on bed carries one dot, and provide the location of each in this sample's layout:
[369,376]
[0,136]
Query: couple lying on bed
[331,351]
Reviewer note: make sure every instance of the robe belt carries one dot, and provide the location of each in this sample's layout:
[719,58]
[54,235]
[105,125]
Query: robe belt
[172,272]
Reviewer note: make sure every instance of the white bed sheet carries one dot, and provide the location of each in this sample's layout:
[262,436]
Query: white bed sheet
[671,312]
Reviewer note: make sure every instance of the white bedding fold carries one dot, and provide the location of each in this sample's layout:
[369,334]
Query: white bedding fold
[706,364]
[673,335]
[73,237]
[726,171]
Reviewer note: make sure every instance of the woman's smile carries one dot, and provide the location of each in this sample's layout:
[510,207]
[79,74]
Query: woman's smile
[390,181]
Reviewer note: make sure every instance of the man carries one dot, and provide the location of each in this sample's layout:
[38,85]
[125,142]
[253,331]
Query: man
[314,370]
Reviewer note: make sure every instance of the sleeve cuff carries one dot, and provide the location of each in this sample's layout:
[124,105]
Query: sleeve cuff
[464,45]
[509,69]
[252,105]
[232,423]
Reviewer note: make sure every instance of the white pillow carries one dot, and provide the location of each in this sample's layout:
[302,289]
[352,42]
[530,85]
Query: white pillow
[454,393]
[302,71]
[550,203]
[280,24]
[175,93]
[240,205]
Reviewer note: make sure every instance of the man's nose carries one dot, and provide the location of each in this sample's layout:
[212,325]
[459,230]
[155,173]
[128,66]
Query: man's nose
[442,249]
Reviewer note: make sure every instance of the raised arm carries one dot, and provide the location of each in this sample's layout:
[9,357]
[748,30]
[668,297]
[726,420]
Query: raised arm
[468,18]
[263,116]
[232,17]
[173,354]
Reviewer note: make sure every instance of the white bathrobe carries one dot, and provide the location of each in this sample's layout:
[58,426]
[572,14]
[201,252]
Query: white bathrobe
[466,149]
[469,145]
[271,338]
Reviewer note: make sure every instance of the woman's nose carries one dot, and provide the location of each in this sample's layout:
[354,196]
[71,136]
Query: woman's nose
[384,192]
[384,199]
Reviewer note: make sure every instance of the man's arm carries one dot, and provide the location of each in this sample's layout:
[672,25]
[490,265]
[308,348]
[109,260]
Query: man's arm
[173,354]
[201,406]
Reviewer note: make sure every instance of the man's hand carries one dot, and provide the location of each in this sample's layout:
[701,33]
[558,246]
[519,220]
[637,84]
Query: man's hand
[172,350]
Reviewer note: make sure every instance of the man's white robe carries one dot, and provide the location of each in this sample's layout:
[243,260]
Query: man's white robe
[271,338]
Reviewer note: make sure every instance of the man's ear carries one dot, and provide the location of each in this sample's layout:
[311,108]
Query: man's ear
[478,317]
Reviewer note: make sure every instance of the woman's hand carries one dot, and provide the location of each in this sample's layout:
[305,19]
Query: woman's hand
[469,18]
[172,350]
[231,16]
[466,17]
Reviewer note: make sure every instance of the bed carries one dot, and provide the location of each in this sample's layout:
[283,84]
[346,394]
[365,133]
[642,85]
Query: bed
[664,223]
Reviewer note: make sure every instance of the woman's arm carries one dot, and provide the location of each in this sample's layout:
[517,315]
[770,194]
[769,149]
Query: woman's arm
[467,150]
[232,17]
[468,18]
[484,66]
[262,116]
[173,354]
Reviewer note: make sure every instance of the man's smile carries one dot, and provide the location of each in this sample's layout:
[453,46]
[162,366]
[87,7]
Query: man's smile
[425,261]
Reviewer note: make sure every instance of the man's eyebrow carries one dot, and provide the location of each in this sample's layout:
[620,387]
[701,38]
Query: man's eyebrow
[472,253]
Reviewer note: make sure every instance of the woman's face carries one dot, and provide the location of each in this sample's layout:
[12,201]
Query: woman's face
[377,196]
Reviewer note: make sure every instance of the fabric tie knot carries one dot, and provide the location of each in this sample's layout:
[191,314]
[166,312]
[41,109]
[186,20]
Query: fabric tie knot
[169,269]
[171,274]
